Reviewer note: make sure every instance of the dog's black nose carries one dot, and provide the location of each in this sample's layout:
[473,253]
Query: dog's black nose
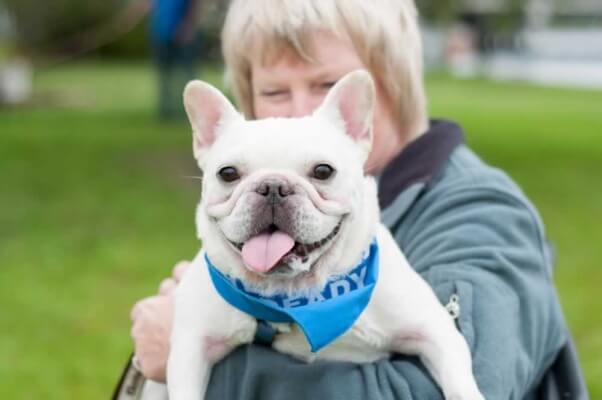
[275,189]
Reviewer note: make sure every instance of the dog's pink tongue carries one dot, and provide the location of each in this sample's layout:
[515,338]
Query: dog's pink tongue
[262,252]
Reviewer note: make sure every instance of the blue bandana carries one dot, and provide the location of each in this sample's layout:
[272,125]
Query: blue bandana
[322,317]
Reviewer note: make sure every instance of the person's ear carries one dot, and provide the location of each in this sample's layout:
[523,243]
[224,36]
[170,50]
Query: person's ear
[351,101]
[209,111]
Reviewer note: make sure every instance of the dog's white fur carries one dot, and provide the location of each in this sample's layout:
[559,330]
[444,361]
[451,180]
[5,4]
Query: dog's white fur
[403,314]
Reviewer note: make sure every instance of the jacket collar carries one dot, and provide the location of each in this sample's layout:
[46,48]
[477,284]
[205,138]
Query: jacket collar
[419,161]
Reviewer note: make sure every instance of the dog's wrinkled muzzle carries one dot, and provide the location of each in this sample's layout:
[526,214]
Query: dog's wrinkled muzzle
[262,252]
[276,190]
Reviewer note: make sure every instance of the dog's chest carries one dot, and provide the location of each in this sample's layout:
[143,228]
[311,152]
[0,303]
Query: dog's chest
[362,343]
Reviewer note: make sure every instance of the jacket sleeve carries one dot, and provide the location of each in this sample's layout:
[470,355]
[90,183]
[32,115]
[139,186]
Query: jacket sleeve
[484,245]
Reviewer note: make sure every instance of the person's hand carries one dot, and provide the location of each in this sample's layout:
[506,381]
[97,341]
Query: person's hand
[152,319]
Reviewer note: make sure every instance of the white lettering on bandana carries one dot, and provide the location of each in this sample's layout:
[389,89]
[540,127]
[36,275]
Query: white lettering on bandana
[323,316]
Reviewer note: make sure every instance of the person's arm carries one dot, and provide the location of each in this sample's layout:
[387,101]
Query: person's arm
[486,247]
[152,319]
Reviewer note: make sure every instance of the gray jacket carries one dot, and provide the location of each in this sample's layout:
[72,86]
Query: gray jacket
[469,231]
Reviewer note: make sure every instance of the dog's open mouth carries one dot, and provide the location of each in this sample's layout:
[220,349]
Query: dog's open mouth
[274,248]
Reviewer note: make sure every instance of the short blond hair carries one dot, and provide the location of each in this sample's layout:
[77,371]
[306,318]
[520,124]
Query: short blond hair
[384,33]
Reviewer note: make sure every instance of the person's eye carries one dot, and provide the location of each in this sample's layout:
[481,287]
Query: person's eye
[273,93]
[327,85]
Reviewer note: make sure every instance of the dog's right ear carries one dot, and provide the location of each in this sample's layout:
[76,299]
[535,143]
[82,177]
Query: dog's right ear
[208,111]
[351,102]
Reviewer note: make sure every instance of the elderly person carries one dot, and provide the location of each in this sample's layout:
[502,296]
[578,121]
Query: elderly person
[463,225]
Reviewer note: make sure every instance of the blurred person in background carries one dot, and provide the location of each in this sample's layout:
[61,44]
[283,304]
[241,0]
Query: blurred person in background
[176,44]
[464,226]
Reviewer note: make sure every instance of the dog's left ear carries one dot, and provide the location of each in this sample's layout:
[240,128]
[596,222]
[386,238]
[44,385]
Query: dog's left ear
[208,111]
[351,101]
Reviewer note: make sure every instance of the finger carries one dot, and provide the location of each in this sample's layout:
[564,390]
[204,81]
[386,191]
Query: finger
[136,310]
[167,286]
[142,306]
[135,334]
[179,270]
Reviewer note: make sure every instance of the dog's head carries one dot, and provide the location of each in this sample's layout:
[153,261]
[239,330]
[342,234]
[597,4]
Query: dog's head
[285,202]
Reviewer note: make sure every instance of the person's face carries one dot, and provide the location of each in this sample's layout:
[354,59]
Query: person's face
[289,86]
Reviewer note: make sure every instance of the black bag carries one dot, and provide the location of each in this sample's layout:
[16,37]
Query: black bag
[564,379]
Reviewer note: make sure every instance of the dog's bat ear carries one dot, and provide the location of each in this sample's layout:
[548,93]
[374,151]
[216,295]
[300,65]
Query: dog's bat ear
[208,111]
[351,101]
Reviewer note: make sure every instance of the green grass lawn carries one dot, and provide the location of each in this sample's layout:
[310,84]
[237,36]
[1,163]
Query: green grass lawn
[96,206]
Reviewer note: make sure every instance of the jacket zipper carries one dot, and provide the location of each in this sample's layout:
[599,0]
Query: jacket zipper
[453,306]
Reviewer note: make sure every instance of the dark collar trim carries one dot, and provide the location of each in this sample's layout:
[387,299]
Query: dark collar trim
[420,161]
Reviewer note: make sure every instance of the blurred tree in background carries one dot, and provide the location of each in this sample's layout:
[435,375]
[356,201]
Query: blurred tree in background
[496,23]
[46,26]
[440,11]
[112,28]
[118,28]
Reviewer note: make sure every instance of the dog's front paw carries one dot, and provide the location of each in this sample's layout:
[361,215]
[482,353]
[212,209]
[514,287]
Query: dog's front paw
[294,344]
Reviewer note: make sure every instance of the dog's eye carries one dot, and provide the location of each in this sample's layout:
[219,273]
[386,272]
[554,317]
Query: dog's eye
[322,172]
[228,174]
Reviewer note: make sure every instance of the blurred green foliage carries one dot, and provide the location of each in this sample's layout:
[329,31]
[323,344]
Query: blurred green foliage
[505,14]
[44,25]
[96,206]
[438,10]
[100,27]
[5,51]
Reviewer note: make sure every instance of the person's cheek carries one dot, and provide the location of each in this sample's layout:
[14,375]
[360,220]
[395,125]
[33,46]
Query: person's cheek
[317,100]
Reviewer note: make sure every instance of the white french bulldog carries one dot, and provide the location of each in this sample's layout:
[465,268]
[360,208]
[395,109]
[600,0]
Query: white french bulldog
[285,208]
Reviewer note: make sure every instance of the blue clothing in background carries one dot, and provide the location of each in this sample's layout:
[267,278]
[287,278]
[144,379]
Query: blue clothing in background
[177,46]
[166,18]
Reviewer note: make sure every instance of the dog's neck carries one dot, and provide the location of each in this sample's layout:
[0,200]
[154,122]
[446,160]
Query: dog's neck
[338,262]
[343,298]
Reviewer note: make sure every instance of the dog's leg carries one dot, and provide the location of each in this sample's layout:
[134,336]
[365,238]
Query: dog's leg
[154,391]
[430,332]
[444,352]
[189,370]
[205,329]
[434,337]
[418,324]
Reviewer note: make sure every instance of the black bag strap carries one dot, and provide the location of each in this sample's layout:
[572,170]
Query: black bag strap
[130,384]
[564,379]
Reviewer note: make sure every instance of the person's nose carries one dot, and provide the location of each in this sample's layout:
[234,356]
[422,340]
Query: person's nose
[304,103]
